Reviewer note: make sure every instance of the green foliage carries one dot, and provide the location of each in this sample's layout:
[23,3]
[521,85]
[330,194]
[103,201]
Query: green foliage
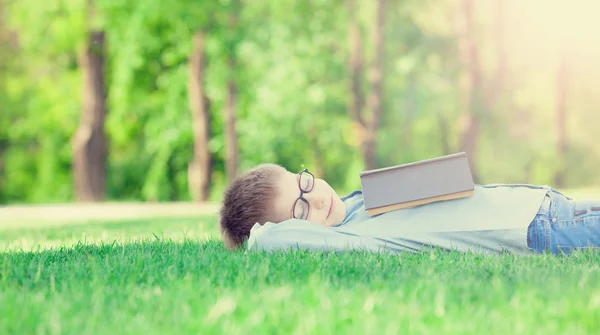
[291,69]
[170,276]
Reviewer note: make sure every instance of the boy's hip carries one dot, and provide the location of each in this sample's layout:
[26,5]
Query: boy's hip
[563,224]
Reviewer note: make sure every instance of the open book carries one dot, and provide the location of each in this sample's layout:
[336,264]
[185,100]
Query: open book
[419,183]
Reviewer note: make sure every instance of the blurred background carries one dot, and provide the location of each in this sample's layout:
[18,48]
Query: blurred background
[151,100]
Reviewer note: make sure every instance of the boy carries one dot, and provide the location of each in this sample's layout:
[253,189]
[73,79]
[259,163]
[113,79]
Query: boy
[275,209]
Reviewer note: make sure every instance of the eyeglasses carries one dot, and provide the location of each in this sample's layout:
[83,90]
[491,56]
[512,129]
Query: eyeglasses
[306,182]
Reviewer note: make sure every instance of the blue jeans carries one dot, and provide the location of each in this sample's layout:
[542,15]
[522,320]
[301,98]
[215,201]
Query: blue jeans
[563,225]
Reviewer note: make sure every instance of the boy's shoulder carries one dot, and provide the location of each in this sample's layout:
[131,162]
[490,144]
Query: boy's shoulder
[353,194]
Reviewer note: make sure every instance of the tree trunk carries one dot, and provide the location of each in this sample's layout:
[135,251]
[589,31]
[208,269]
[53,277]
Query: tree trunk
[529,171]
[497,82]
[3,145]
[200,168]
[470,137]
[89,143]
[9,45]
[561,118]
[231,145]
[319,167]
[231,148]
[468,143]
[483,93]
[444,138]
[409,106]
[375,98]
[356,66]
[3,118]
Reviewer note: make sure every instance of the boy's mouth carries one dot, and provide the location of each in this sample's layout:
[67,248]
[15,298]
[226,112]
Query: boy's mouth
[330,207]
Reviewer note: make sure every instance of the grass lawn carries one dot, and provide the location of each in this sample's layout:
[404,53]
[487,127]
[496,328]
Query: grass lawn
[174,277]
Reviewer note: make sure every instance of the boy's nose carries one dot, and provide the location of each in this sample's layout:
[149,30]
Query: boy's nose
[320,204]
[315,200]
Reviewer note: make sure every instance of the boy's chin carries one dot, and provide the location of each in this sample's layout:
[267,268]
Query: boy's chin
[328,224]
[333,221]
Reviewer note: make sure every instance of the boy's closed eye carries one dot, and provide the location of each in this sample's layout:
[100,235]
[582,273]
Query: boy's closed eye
[303,196]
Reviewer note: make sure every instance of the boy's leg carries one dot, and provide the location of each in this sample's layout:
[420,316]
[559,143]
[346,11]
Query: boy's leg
[571,224]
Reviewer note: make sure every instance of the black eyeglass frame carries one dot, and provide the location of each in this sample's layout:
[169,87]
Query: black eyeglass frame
[302,192]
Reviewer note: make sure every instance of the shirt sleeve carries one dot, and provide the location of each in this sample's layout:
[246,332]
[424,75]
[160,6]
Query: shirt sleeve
[305,235]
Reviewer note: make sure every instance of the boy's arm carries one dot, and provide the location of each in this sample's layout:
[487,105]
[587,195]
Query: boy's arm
[301,234]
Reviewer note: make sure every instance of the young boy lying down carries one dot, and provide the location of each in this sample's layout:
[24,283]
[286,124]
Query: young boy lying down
[275,209]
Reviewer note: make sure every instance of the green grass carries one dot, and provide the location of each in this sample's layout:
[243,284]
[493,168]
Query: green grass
[174,277]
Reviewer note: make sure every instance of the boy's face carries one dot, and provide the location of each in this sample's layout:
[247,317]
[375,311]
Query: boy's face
[322,204]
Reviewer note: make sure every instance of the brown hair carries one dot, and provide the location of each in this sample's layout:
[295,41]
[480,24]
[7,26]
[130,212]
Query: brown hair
[248,200]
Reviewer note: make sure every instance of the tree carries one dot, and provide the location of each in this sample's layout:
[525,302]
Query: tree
[562,79]
[4,55]
[231,138]
[468,142]
[409,107]
[200,168]
[356,64]
[484,91]
[297,83]
[89,143]
[368,124]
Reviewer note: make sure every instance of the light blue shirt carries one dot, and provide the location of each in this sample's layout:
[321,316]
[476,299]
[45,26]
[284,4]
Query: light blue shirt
[494,219]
